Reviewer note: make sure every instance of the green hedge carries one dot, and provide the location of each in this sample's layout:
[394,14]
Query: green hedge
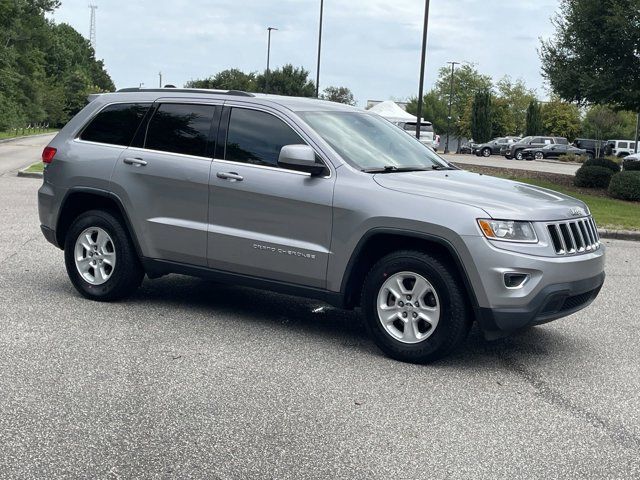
[625,186]
[631,165]
[603,162]
[592,177]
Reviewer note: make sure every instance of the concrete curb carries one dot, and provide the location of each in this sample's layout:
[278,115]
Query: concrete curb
[619,234]
[13,139]
[23,173]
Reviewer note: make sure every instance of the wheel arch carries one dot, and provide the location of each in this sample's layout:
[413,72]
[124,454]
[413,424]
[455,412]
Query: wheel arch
[379,242]
[82,199]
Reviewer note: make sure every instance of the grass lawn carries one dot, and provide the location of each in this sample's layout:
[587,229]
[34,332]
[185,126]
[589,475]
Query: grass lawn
[37,167]
[12,134]
[608,212]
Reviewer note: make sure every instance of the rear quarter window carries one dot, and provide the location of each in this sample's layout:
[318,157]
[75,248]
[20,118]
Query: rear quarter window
[115,124]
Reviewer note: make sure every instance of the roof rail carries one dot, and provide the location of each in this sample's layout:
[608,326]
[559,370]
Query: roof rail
[237,93]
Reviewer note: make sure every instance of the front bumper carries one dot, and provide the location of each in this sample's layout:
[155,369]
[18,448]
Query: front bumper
[557,286]
[552,302]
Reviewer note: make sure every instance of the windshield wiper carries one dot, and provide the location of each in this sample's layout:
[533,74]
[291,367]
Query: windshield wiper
[393,168]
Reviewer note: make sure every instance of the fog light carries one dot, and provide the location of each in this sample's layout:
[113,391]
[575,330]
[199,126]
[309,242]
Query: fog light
[515,280]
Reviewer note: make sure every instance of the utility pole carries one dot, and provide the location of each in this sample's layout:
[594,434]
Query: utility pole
[453,66]
[319,49]
[92,26]
[266,86]
[637,130]
[422,65]
[160,75]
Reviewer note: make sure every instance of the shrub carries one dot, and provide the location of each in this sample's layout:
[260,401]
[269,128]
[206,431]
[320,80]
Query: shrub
[590,176]
[612,165]
[631,165]
[625,186]
[572,157]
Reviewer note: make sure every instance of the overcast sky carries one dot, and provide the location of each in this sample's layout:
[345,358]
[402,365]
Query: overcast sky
[370,46]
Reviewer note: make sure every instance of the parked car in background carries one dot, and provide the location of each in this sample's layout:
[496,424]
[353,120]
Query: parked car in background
[427,135]
[621,148]
[634,157]
[514,150]
[594,148]
[467,147]
[493,147]
[552,151]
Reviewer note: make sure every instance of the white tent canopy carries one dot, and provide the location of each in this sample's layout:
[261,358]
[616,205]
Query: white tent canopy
[393,112]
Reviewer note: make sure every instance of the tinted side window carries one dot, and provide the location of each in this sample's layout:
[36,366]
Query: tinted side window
[622,144]
[536,140]
[115,124]
[178,128]
[257,137]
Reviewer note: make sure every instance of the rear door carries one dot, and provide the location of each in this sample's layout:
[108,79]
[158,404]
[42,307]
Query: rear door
[163,181]
[266,221]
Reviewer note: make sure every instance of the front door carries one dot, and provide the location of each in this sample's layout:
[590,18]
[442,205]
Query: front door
[164,185]
[266,221]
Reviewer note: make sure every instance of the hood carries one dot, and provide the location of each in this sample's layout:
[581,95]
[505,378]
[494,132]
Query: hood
[500,198]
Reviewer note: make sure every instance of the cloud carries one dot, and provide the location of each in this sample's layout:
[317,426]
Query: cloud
[371,46]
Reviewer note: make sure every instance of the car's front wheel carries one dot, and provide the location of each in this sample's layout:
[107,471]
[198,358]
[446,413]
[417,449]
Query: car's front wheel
[518,155]
[415,307]
[539,156]
[486,152]
[100,258]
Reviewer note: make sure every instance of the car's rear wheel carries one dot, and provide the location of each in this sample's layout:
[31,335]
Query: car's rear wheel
[100,258]
[486,152]
[539,156]
[415,307]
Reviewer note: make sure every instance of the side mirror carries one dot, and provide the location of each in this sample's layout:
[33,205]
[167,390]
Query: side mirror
[301,158]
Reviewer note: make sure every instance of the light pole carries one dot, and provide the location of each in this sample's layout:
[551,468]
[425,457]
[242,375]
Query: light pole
[637,131]
[422,65]
[453,66]
[319,48]
[160,81]
[266,86]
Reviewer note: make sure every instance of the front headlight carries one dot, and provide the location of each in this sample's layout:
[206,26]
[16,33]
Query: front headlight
[508,230]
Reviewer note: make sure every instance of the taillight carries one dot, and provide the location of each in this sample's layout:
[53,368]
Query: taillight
[48,153]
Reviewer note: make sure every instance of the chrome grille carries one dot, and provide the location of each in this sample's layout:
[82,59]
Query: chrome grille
[574,236]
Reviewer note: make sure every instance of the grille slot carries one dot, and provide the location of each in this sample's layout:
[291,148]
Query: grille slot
[574,236]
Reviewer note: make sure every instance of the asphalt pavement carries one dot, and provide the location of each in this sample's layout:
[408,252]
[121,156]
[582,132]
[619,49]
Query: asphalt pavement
[194,379]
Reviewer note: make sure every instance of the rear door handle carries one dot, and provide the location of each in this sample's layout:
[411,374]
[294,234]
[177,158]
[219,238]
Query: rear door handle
[233,176]
[138,162]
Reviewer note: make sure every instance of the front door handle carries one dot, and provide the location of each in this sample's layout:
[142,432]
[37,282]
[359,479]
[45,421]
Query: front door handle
[233,176]
[138,162]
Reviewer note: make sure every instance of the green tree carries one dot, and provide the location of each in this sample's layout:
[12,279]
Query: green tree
[593,57]
[466,82]
[561,119]
[481,117]
[516,97]
[338,94]
[37,59]
[502,118]
[288,80]
[533,124]
[231,79]
[434,110]
[604,123]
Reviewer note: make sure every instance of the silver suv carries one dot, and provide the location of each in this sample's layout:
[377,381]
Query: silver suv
[315,199]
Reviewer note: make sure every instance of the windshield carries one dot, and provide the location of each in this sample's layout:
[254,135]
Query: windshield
[526,140]
[367,141]
[411,127]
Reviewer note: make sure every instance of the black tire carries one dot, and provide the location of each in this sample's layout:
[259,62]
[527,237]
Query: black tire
[455,319]
[127,273]
[518,155]
[486,152]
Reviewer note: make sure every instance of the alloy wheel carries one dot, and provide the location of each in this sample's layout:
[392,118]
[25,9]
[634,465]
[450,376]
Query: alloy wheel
[408,307]
[95,255]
